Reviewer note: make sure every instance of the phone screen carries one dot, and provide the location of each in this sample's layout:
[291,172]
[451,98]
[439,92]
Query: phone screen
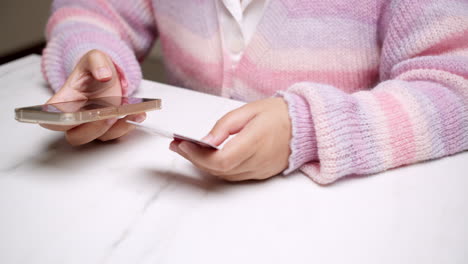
[91,104]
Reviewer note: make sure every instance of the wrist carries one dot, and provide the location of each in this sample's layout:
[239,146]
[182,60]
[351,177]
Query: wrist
[303,143]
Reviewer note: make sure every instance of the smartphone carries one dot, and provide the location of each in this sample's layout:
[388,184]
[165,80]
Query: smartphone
[83,111]
[175,136]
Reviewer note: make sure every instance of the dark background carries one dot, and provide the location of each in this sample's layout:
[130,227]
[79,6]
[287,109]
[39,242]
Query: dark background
[22,26]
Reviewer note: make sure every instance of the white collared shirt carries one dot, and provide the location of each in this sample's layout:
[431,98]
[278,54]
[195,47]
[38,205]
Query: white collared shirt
[238,20]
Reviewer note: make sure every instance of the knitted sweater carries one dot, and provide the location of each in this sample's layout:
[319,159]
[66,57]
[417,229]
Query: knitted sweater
[370,84]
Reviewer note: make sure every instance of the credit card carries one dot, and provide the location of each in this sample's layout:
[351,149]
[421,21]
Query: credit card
[168,134]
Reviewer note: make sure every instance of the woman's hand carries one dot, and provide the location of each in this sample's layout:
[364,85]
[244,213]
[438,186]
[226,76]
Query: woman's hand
[258,151]
[94,76]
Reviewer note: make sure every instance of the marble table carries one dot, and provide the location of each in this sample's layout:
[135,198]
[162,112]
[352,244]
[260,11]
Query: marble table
[134,201]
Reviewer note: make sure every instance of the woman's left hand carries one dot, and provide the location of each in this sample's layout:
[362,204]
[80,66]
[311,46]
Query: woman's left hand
[258,151]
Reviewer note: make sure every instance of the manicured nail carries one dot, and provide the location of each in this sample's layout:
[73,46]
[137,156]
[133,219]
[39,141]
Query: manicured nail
[139,118]
[103,72]
[111,121]
[208,138]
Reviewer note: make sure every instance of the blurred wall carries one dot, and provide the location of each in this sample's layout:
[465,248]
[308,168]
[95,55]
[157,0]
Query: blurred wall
[22,24]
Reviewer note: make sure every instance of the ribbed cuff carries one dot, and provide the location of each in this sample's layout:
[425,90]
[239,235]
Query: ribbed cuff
[63,53]
[303,143]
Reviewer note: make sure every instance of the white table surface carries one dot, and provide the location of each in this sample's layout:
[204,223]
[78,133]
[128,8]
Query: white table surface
[134,201]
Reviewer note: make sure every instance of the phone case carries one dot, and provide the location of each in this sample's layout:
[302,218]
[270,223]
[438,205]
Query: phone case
[78,112]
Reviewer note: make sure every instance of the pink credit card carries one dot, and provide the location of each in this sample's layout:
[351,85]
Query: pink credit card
[164,133]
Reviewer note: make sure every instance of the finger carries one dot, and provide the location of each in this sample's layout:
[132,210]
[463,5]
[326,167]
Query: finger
[227,160]
[57,127]
[229,124]
[244,176]
[121,127]
[249,170]
[188,150]
[233,176]
[99,66]
[174,146]
[66,94]
[121,75]
[246,142]
[74,101]
[87,132]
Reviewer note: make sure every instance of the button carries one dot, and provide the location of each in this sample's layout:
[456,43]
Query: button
[237,44]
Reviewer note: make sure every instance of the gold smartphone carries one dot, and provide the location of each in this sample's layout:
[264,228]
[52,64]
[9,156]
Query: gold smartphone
[78,112]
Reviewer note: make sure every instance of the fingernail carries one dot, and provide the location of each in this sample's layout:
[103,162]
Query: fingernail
[139,118]
[111,121]
[173,147]
[103,72]
[208,138]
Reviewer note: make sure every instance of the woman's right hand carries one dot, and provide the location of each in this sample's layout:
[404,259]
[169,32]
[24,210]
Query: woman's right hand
[94,76]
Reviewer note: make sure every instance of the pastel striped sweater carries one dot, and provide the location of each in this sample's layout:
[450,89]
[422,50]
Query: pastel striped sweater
[370,84]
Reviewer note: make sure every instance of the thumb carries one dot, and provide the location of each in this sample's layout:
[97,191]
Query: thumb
[99,65]
[231,123]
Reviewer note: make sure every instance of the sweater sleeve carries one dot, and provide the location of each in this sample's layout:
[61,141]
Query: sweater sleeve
[418,111]
[125,30]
